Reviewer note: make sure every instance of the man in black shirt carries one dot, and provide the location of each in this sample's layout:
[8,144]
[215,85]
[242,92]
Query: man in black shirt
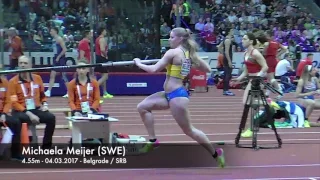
[226,46]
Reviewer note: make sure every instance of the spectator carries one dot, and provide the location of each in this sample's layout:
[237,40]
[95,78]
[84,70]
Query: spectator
[199,27]
[194,16]
[165,31]
[38,37]
[15,44]
[186,9]
[68,37]
[209,26]
[208,9]
[283,66]
[232,18]
[165,11]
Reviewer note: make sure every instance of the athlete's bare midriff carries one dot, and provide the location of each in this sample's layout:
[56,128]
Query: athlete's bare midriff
[173,83]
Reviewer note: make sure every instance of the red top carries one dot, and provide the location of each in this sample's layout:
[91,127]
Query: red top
[252,65]
[301,66]
[84,46]
[272,49]
[98,50]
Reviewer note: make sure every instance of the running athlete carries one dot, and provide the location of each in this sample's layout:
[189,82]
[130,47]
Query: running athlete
[59,59]
[102,57]
[307,88]
[255,65]
[178,61]
[270,52]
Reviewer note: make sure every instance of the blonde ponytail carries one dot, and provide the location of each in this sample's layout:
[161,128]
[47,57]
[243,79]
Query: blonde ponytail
[188,43]
[191,45]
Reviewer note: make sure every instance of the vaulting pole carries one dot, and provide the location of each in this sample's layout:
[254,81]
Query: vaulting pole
[108,64]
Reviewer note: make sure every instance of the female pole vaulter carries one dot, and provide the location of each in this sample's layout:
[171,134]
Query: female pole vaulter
[178,61]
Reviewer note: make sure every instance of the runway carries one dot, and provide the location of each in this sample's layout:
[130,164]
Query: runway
[216,115]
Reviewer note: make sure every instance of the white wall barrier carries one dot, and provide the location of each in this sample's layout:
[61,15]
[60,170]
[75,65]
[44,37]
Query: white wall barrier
[46,58]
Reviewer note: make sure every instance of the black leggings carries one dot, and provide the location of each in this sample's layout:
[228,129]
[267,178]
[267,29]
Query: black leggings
[15,126]
[45,117]
[227,74]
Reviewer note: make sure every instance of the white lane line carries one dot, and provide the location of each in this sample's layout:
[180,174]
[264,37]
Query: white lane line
[151,169]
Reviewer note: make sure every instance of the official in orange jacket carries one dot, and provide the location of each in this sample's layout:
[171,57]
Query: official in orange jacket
[83,92]
[29,103]
[7,120]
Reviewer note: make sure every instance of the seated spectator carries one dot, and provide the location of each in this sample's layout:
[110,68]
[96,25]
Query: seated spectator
[68,37]
[83,92]
[232,17]
[194,16]
[29,104]
[38,37]
[283,66]
[209,25]
[211,40]
[199,27]
[208,9]
[165,31]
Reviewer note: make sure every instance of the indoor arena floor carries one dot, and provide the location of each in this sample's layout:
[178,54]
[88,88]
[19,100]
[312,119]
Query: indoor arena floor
[218,116]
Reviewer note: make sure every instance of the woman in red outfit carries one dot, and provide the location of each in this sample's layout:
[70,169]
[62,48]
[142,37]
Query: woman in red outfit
[270,50]
[254,62]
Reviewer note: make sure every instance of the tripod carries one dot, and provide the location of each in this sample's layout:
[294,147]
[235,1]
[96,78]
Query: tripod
[256,93]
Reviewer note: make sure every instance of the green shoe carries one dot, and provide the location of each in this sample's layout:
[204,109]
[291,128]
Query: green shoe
[220,158]
[149,146]
[248,133]
[107,95]
[306,124]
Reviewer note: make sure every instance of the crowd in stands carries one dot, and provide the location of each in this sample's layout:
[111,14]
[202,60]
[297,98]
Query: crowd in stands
[290,25]
[133,35]
[137,36]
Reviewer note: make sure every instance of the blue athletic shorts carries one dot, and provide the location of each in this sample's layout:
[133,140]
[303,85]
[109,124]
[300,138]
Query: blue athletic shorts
[180,92]
[60,62]
[308,97]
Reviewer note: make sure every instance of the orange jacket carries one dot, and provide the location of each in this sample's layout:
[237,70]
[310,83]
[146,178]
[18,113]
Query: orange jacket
[17,95]
[73,94]
[5,101]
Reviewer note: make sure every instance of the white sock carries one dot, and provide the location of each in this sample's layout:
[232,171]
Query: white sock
[280,88]
[268,92]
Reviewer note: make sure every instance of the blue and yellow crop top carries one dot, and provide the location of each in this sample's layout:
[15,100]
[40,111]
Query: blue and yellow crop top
[180,71]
